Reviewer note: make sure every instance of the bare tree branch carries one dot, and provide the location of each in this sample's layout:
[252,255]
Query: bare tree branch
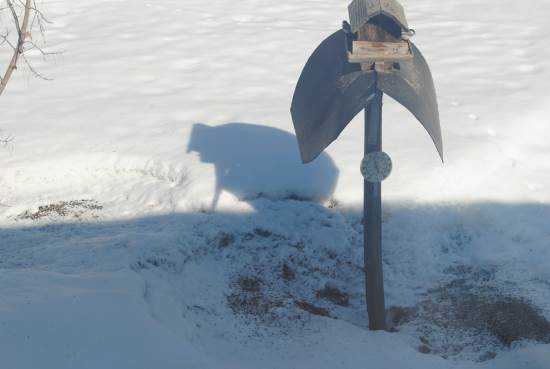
[34,71]
[22,32]
[4,140]
[23,18]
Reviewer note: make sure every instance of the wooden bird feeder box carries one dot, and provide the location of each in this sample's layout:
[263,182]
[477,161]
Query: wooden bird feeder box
[382,34]
[372,52]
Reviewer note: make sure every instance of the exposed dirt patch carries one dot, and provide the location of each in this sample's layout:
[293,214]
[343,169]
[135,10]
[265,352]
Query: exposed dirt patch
[161,263]
[250,298]
[398,315]
[74,209]
[423,349]
[250,284]
[333,203]
[287,273]
[509,319]
[312,309]
[291,269]
[467,318]
[225,239]
[334,295]
[262,232]
[467,314]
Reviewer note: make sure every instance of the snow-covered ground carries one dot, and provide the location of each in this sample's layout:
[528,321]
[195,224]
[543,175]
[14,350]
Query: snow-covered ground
[152,209]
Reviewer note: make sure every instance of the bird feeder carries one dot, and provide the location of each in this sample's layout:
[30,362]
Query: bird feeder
[382,34]
[350,71]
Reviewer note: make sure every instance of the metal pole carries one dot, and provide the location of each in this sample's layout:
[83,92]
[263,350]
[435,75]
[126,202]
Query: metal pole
[372,218]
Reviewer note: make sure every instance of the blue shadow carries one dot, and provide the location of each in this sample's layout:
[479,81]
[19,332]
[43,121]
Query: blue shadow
[253,160]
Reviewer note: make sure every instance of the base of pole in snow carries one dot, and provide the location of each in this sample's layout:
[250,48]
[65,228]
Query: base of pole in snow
[372,219]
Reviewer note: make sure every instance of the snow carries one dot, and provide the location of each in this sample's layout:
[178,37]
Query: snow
[53,320]
[156,107]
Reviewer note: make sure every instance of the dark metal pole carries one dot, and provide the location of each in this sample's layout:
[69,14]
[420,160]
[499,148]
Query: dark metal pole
[372,218]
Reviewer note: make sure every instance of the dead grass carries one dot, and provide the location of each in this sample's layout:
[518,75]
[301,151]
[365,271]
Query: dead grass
[75,209]
[312,309]
[468,310]
[334,295]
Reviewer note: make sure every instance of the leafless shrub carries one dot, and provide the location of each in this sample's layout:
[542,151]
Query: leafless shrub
[23,21]
[20,20]
[5,140]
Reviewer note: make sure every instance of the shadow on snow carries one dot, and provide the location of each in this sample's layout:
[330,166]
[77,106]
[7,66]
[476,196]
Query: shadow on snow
[463,273]
[252,160]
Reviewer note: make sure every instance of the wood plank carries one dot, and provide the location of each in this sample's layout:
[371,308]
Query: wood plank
[370,52]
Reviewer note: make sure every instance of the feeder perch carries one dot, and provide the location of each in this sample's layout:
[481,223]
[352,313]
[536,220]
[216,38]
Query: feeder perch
[372,52]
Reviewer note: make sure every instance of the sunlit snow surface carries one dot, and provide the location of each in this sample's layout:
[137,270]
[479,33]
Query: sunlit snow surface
[171,118]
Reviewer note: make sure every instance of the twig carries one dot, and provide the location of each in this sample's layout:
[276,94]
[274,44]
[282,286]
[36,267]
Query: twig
[6,140]
[22,33]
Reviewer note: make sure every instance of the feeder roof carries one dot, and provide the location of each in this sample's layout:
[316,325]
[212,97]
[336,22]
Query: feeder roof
[361,11]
